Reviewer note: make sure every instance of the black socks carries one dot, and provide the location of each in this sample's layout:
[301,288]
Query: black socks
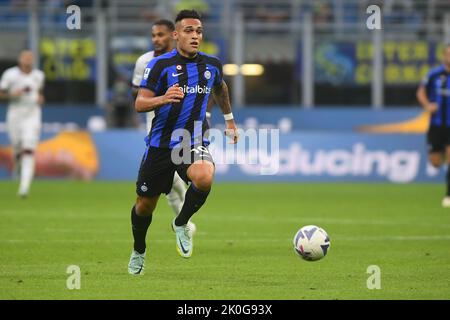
[194,199]
[139,226]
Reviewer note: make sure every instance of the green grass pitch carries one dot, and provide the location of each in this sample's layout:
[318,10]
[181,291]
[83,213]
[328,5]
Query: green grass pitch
[243,246]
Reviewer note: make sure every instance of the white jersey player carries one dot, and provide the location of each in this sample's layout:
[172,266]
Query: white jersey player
[162,42]
[22,86]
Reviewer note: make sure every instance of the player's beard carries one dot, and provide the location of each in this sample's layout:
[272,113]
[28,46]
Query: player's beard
[161,51]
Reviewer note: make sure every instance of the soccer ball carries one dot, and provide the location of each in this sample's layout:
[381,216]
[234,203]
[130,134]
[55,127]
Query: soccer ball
[311,243]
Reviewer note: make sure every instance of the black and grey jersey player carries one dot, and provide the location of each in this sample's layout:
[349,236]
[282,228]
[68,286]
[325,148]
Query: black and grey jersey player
[177,86]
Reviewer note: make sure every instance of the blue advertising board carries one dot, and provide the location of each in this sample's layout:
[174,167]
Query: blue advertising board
[299,157]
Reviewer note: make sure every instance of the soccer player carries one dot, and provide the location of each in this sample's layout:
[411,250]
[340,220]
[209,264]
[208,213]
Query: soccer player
[23,87]
[434,96]
[177,85]
[163,42]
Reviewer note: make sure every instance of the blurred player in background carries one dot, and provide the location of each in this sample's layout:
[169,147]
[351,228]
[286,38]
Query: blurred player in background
[163,42]
[22,86]
[177,85]
[434,96]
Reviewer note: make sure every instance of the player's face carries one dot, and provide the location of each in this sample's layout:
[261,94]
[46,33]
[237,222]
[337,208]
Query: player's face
[447,56]
[189,35]
[26,60]
[161,38]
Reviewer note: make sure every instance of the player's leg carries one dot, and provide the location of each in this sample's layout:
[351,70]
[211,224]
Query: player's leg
[17,155]
[141,218]
[30,139]
[446,200]
[436,159]
[27,165]
[200,173]
[175,197]
[155,177]
[14,129]
[437,141]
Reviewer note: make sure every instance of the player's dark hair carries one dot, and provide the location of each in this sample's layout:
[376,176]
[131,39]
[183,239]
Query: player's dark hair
[163,22]
[187,14]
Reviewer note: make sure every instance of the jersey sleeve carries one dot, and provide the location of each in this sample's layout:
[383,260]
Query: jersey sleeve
[152,75]
[138,72]
[4,81]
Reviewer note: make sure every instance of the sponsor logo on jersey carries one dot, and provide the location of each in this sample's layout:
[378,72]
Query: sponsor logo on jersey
[197,89]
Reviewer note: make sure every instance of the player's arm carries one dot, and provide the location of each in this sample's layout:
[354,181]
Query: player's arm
[137,77]
[222,98]
[41,97]
[147,101]
[422,97]
[209,106]
[5,93]
[134,91]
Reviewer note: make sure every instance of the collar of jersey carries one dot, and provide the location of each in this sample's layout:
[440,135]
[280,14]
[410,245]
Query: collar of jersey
[187,59]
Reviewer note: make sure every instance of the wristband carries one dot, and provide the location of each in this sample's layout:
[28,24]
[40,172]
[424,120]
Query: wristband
[228,116]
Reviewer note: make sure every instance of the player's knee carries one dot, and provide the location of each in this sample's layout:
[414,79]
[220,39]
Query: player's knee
[435,161]
[145,206]
[203,179]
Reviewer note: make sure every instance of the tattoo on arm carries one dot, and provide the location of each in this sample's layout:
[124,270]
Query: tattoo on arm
[222,98]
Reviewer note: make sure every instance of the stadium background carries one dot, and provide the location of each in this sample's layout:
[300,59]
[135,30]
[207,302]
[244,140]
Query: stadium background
[343,98]
[307,70]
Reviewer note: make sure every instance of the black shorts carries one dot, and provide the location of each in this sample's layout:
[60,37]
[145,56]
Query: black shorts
[158,167]
[438,138]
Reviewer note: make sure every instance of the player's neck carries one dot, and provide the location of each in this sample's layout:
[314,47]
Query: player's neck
[186,55]
[158,53]
[25,70]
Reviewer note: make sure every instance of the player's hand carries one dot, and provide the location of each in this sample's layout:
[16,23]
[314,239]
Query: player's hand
[432,107]
[231,131]
[41,100]
[173,94]
[16,94]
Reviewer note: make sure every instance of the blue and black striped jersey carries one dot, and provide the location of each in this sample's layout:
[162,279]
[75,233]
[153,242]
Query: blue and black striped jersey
[196,77]
[437,87]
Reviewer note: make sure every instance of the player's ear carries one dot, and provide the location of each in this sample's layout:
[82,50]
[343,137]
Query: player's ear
[175,35]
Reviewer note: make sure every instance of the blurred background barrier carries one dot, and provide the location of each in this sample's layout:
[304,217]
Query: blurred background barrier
[310,150]
[286,119]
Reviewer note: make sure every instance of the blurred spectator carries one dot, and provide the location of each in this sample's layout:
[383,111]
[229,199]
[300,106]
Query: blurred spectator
[402,12]
[323,13]
[121,113]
